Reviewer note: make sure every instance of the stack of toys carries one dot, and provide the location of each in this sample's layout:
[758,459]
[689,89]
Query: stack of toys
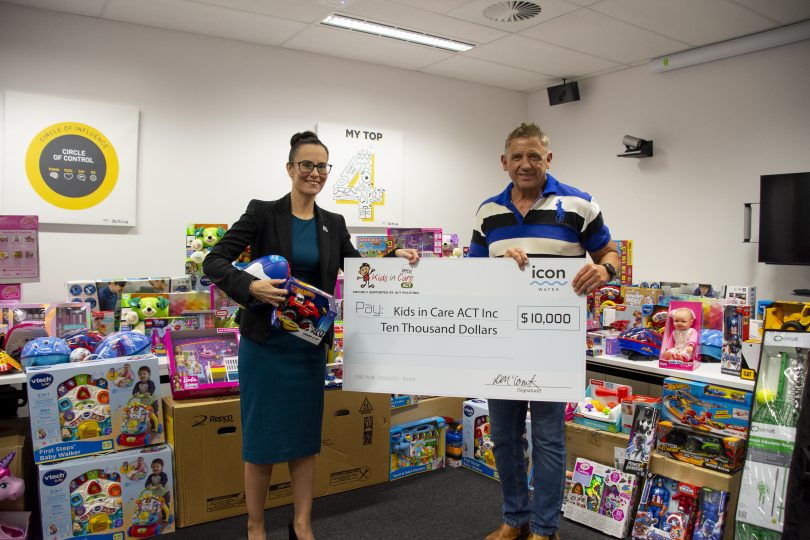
[601,497]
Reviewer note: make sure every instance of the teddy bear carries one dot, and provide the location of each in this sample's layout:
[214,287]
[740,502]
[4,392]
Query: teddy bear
[209,235]
[149,307]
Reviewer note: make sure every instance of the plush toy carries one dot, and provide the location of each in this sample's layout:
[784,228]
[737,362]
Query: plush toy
[209,235]
[449,245]
[149,307]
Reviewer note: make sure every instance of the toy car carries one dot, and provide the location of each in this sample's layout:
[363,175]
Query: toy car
[301,311]
[640,342]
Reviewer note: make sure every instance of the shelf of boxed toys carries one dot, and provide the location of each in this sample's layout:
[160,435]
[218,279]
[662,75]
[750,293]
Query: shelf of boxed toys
[600,446]
[706,372]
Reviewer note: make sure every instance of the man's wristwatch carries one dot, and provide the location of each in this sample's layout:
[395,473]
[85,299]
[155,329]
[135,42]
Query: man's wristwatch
[611,270]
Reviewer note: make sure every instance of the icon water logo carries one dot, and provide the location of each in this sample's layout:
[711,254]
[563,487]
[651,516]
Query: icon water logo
[548,279]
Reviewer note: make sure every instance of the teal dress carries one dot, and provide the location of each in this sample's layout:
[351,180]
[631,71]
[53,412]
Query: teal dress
[281,380]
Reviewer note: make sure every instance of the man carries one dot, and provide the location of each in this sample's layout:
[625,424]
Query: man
[537,216]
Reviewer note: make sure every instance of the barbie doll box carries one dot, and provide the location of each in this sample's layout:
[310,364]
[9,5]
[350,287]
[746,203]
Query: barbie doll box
[203,362]
[94,407]
[116,496]
[601,497]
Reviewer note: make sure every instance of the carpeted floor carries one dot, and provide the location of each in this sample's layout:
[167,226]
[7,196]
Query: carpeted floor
[455,504]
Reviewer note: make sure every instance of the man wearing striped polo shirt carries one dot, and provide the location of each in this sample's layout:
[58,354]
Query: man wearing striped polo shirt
[537,216]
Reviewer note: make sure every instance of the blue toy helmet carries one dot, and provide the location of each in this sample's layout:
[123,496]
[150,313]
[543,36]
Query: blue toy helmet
[123,343]
[269,267]
[83,338]
[45,351]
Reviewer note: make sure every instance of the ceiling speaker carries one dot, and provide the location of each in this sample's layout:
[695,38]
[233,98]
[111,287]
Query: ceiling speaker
[563,93]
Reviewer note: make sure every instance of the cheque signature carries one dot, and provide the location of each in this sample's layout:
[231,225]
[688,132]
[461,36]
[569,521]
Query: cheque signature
[523,384]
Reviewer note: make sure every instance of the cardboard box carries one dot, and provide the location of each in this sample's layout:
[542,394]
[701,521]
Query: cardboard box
[591,444]
[79,409]
[206,435]
[122,495]
[15,437]
[717,409]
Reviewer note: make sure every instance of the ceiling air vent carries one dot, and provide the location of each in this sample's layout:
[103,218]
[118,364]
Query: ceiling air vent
[511,11]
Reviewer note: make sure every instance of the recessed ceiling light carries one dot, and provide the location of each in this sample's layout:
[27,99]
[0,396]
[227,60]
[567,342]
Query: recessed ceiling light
[511,11]
[384,30]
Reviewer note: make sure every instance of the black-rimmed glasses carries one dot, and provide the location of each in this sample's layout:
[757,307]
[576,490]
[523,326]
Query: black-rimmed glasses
[306,167]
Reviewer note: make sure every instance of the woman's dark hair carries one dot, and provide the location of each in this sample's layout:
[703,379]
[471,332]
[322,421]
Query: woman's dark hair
[306,137]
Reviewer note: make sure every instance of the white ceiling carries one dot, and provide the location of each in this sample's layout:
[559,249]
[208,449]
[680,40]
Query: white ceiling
[569,39]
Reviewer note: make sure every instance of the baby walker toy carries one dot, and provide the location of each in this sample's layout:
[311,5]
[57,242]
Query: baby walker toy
[139,421]
[151,512]
[84,408]
[95,502]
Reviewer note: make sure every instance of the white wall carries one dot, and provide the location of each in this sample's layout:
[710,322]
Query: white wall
[716,128]
[216,118]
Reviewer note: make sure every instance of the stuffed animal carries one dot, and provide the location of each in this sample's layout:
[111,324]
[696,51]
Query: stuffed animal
[209,235]
[149,307]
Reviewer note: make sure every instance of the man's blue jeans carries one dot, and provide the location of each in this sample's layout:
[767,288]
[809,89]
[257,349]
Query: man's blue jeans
[507,423]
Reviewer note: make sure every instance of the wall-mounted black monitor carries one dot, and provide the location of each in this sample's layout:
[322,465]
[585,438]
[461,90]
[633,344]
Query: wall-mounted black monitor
[784,218]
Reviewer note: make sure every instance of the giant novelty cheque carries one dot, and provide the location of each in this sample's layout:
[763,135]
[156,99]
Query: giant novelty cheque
[464,327]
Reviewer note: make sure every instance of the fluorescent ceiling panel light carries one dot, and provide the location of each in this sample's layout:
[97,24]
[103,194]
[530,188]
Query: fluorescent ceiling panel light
[367,27]
[733,47]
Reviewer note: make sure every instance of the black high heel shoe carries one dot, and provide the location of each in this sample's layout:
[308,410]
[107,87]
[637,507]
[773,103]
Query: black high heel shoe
[291,530]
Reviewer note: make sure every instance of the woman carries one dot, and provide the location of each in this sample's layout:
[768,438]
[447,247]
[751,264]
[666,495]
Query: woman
[281,376]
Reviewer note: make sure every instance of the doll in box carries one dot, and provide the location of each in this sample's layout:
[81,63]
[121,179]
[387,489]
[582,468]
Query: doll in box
[683,338]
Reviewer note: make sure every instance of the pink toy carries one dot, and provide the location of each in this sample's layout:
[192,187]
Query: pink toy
[681,344]
[11,487]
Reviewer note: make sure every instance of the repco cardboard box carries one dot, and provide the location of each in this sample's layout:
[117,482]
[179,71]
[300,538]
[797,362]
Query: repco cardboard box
[206,435]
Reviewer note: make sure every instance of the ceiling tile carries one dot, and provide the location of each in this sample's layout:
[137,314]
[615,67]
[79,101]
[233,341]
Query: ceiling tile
[697,22]
[436,6]
[583,2]
[525,53]
[300,10]
[203,19]
[784,11]
[88,8]
[417,19]
[473,12]
[594,33]
[483,72]
[365,47]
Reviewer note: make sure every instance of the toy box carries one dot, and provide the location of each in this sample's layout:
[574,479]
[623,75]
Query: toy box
[642,438]
[16,313]
[629,407]
[157,329]
[625,249]
[66,317]
[203,362]
[774,419]
[666,509]
[710,520]
[427,241]
[601,497]
[115,496]
[742,295]
[639,296]
[92,407]
[307,313]
[417,447]
[137,307]
[374,245]
[712,408]
[680,347]
[735,330]
[622,317]
[698,447]
[82,291]
[602,407]
[477,445]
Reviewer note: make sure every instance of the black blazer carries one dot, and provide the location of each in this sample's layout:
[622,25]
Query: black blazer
[266,226]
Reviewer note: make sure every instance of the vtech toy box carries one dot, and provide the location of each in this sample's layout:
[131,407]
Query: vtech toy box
[80,409]
[714,409]
[417,447]
[477,444]
[115,496]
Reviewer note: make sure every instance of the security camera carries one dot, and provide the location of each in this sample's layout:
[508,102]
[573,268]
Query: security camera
[632,143]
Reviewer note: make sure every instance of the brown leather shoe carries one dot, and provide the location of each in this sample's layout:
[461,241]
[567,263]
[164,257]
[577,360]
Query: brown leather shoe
[532,536]
[505,532]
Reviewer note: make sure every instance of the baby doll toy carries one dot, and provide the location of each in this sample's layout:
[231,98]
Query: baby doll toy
[683,338]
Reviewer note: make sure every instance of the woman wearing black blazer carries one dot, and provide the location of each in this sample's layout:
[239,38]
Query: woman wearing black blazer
[281,376]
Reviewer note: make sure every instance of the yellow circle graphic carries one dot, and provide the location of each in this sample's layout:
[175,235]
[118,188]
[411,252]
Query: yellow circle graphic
[71,165]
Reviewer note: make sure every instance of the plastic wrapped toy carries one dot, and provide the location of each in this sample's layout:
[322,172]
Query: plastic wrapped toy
[45,351]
